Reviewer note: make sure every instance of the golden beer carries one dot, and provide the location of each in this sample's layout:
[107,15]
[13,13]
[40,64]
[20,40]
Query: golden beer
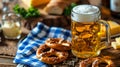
[85,29]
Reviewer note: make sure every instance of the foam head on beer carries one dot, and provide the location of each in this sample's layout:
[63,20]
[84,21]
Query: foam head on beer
[85,13]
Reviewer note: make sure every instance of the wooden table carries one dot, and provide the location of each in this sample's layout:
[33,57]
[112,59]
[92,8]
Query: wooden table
[8,48]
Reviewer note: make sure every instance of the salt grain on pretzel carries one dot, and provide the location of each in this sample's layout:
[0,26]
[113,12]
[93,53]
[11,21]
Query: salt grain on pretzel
[50,56]
[58,44]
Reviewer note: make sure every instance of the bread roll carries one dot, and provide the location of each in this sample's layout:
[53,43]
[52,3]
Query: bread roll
[35,2]
[58,6]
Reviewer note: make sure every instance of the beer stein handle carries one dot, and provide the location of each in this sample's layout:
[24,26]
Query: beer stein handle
[108,34]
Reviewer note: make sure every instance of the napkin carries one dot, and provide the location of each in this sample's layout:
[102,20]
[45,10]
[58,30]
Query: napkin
[26,53]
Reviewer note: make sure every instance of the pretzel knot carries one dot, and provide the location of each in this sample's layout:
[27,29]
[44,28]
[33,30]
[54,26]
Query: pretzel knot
[95,62]
[50,56]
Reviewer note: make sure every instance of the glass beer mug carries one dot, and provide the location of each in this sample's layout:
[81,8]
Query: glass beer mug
[85,29]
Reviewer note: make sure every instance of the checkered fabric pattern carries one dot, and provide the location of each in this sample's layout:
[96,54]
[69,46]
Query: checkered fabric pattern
[26,53]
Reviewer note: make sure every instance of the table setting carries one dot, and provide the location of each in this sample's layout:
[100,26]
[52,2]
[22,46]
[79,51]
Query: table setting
[52,39]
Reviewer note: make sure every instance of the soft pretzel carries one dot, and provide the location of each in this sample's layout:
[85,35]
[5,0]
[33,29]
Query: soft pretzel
[50,56]
[58,44]
[94,62]
[106,60]
[87,62]
[43,48]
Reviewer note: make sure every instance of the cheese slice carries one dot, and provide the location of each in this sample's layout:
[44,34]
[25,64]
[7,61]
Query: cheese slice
[114,28]
[35,2]
[115,45]
[117,40]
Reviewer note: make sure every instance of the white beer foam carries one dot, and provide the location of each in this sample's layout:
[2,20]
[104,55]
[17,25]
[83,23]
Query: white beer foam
[85,13]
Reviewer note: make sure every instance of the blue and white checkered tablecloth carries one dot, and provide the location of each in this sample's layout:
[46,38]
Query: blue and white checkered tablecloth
[26,53]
